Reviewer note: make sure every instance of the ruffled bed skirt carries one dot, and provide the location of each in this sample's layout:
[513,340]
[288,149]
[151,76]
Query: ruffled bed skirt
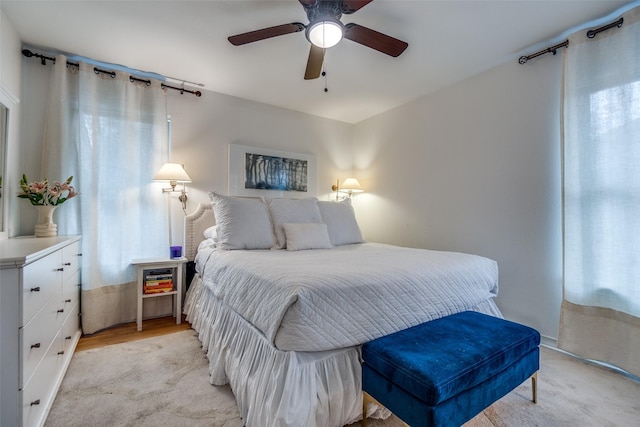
[275,388]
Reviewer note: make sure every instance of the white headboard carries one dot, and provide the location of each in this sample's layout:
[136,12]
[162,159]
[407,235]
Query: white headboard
[194,225]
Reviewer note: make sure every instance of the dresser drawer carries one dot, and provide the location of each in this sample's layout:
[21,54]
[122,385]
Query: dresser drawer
[40,282]
[71,328]
[70,260]
[37,336]
[38,394]
[71,291]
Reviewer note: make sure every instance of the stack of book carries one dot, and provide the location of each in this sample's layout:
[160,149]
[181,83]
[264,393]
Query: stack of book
[158,281]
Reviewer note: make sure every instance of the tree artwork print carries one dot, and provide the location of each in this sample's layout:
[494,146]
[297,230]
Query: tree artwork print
[275,173]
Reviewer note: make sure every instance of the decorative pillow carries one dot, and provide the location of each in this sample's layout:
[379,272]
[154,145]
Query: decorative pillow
[306,236]
[242,222]
[341,222]
[290,211]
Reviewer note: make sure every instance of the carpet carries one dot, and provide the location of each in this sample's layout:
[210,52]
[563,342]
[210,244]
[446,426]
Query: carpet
[163,381]
[159,381]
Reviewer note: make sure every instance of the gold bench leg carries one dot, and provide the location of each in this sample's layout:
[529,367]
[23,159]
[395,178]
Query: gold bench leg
[365,403]
[366,399]
[534,387]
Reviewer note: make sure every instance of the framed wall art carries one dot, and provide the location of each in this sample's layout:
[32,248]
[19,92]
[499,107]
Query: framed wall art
[255,171]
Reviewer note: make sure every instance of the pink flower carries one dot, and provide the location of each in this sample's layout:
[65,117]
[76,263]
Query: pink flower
[38,187]
[72,192]
[42,194]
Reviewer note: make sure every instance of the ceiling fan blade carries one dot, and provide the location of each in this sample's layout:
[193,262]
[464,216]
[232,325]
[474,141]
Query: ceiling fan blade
[265,33]
[351,6]
[314,63]
[375,40]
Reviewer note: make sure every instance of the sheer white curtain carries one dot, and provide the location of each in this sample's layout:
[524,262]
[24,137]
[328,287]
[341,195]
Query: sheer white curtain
[600,316]
[111,135]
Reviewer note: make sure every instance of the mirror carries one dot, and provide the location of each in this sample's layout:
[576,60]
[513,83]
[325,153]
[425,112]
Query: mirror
[4,118]
[8,128]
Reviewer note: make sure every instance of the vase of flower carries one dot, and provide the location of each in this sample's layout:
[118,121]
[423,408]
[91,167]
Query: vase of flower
[46,198]
[45,227]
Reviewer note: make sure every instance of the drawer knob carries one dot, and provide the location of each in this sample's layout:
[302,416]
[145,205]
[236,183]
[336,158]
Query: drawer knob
[67,263]
[36,345]
[36,289]
[67,300]
[60,353]
[61,310]
[35,402]
[60,269]
[67,338]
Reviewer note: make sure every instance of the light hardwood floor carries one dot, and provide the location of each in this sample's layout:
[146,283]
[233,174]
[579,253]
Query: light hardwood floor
[128,332]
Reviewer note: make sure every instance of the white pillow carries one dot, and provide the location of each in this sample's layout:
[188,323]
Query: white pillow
[290,211]
[341,222]
[211,233]
[242,222]
[306,236]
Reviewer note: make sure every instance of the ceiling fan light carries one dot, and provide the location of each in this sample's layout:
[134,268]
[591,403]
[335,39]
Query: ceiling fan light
[325,33]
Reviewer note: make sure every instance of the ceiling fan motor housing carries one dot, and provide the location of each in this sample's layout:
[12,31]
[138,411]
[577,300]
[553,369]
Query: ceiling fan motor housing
[323,10]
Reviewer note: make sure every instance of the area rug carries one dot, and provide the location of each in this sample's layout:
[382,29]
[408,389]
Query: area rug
[163,381]
[159,381]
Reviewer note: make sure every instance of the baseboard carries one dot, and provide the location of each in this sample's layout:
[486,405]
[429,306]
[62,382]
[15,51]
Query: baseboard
[548,342]
[552,344]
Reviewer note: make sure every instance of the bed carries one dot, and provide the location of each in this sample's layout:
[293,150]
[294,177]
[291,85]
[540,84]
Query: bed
[286,292]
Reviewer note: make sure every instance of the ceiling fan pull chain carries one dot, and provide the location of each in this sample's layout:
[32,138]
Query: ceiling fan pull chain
[324,74]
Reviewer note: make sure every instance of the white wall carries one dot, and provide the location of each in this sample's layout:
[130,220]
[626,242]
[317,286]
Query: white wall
[10,62]
[35,89]
[475,168]
[203,128]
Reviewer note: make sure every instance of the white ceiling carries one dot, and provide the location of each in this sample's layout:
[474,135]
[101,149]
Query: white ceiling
[449,41]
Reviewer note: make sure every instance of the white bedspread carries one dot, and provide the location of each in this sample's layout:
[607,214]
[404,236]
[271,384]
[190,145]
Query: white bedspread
[327,299]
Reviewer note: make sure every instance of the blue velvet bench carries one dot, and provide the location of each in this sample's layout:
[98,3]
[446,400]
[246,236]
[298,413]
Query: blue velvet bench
[445,372]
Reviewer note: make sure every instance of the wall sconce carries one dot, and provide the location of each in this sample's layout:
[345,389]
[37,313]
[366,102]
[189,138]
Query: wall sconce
[349,186]
[174,173]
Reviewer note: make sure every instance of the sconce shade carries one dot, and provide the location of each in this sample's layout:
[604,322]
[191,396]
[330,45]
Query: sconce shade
[351,185]
[172,172]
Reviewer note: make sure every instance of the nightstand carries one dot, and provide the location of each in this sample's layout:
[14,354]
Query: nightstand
[151,273]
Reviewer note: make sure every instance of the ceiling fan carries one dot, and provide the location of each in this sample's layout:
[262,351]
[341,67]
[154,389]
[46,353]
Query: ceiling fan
[325,30]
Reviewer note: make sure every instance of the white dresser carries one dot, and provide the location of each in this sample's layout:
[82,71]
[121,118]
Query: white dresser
[39,323]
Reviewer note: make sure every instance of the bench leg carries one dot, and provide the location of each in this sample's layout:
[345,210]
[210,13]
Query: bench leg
[534,387]
[365,403]
[366,399]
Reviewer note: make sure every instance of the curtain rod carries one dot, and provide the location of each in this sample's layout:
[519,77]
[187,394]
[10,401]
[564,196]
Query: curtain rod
[552,49]
[590,34]
[182,90]
[44,59]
